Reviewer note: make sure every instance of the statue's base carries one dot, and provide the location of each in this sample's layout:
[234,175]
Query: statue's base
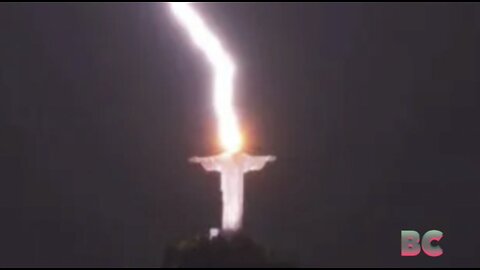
[215,232]
[220,249]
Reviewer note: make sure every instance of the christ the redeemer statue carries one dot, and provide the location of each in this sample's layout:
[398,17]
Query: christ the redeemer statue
[232,167]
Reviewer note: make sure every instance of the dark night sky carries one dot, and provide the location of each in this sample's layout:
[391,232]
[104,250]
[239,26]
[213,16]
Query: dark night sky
[372,110]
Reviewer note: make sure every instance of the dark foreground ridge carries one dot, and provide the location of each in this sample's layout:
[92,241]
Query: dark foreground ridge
[234,251]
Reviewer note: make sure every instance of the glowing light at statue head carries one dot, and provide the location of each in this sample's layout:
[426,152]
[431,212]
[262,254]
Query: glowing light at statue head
[224,71]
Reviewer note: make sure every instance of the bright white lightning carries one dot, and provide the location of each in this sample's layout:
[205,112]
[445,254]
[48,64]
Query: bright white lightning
[232,164]
[224,70]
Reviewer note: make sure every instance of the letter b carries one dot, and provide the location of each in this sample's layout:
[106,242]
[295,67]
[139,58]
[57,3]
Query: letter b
[410,243]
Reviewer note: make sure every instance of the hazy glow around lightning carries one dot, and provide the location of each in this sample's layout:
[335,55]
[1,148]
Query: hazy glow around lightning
[224,69]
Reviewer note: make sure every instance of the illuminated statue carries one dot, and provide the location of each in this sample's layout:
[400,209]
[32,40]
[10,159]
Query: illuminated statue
[232,167]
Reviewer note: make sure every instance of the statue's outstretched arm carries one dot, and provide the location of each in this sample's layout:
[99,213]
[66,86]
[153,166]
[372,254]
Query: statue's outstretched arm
[256,163]
[208,163]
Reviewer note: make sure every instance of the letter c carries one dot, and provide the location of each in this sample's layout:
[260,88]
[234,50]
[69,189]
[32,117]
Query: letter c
[428,238]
